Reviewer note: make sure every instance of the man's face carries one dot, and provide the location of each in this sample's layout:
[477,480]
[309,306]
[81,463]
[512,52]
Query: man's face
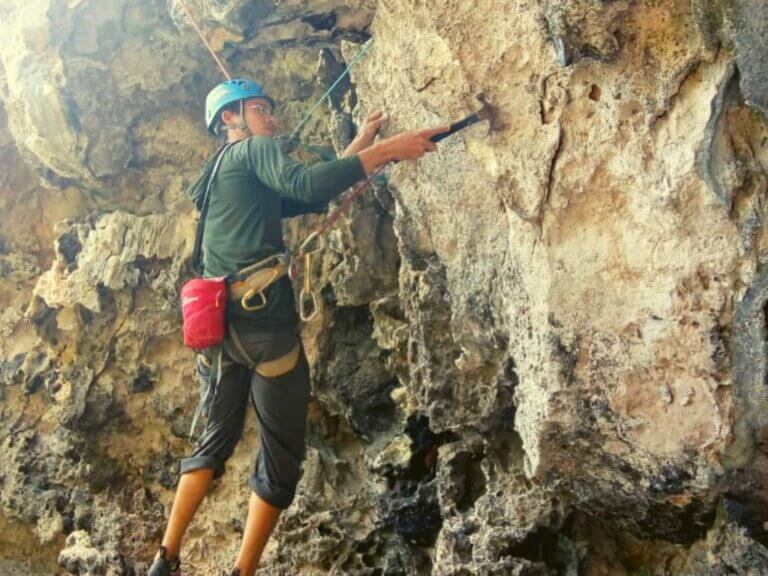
[258,116]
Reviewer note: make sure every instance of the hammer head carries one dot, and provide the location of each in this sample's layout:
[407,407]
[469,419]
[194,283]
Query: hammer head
[489,112]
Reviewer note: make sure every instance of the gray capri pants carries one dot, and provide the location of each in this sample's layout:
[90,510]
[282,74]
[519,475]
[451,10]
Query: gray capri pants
[281,408]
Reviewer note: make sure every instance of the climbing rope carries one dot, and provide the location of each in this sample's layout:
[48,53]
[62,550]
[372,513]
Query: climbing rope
[320,100]
[202,37]
[343,75]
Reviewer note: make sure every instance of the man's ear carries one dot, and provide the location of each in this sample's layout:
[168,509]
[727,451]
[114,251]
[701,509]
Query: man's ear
[227,117]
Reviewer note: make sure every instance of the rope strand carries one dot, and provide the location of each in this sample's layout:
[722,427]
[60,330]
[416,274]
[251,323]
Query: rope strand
[360,54]
[202,37]
[333,217]
[343,75]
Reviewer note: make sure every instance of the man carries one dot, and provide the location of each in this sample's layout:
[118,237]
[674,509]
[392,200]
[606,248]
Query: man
[255,186]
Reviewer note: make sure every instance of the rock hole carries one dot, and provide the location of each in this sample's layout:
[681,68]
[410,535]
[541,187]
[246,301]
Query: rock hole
[424,447]
[595,93]
[377,411]
[68,245]
[326,21]
[474,483]
[411,505]
[143,382]
[542,545]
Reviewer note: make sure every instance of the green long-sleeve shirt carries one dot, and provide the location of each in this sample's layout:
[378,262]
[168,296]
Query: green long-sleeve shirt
[255,187]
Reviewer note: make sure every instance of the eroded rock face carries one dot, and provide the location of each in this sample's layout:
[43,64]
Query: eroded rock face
[540,350]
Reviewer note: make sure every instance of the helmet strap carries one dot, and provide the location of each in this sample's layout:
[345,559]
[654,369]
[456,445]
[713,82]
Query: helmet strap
[243,125]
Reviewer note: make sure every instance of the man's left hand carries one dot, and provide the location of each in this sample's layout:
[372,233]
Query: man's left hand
[370,128]
[366,134]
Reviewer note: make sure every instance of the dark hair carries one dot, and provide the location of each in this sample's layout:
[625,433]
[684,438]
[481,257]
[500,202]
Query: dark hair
[232,107]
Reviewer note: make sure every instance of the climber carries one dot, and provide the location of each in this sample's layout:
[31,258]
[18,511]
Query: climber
[256,185]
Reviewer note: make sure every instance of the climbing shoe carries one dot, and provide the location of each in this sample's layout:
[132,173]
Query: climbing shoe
[163,566]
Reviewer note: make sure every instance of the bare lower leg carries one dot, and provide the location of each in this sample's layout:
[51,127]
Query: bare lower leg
[193,486]
[262,518]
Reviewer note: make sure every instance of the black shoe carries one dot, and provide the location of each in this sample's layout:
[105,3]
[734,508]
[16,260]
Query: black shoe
[162,566]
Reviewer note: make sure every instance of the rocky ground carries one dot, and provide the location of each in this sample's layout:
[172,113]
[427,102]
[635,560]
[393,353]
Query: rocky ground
[540,350]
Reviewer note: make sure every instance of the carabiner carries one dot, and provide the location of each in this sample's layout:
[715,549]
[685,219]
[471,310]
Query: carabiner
[304,298]
[306,290]
[314,237]
[245,300]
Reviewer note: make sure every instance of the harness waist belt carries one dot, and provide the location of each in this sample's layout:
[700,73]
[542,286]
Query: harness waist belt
[249,285]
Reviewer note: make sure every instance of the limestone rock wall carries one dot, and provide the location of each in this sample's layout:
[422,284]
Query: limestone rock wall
[540,350]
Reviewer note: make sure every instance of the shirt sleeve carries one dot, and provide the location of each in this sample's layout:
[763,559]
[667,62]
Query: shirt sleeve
[290,207]
[296,181]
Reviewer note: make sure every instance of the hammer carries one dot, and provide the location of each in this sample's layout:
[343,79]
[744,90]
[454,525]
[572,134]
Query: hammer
[487,112]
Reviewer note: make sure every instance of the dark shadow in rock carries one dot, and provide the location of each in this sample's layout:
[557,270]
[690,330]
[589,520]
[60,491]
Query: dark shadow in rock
[416,514]
[143,382]
[461,475]
[351,375]
[322,21]
[549,547]
[43,317]
[69,246]
[709,156]
[749,353]
[150,268]
[9,369]
[749,513]
[474,486]
[742,25]
[411,505]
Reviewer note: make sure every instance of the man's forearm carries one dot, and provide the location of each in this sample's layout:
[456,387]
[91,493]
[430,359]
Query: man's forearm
[375,156]
[354,147]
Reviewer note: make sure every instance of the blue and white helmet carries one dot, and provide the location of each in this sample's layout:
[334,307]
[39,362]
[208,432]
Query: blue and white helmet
[228,92]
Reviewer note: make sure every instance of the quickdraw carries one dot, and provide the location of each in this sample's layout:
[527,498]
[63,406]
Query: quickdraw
[307,295]
[303,259]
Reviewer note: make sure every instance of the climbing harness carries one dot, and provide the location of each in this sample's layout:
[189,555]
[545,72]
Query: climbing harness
[249,285]
[270,368]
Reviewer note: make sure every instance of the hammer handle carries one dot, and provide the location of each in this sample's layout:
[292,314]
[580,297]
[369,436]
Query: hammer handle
[456,126]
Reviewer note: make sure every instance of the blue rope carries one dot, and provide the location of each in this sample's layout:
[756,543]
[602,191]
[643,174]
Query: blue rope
[360,54]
